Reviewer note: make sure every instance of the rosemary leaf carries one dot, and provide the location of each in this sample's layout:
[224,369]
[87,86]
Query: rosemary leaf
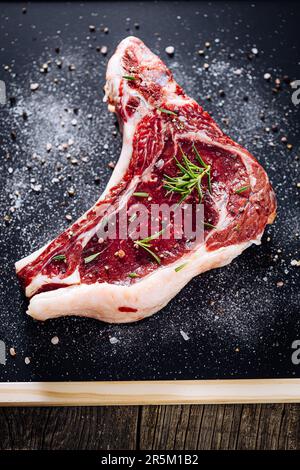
[146,245]
[133,275]
[141,194]
[199,157]
[154,255]
[179,268]
[59,258]
[152,237]
[208,225]
[167,111]
[133,217]
[242,189]
[91,258]
[129,77]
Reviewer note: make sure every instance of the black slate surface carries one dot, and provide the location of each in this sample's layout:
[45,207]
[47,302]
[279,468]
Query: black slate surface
[240,320]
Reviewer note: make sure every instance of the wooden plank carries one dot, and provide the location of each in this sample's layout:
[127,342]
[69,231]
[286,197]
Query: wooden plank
[182,427]
[221,427]
[68,428]
[158,392]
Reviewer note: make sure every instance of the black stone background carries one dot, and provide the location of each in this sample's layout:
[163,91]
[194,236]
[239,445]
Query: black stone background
[239,322]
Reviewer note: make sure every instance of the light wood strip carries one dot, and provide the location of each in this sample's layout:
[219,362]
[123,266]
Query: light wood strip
[150,392]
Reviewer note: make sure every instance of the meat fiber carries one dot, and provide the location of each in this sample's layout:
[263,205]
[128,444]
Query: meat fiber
[117,279]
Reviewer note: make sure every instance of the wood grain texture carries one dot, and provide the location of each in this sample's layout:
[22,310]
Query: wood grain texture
[159,392]
[274,426]
[189,427]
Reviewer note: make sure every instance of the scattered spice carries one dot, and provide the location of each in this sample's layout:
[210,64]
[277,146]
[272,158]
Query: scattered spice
[113,340]
[184,335]
[170,50]
[55,340]
[34,86]
[111,165]
[120,254]
[71,192]
[295,262]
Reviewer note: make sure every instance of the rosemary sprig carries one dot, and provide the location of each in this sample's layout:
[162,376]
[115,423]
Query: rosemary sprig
[129,77]
[242,189]
[91,258]
[207,167]
[133,217]
[167,111]
[179,268]
[208,225]
[59,258]
[190,177]
[145,243]
[140,194]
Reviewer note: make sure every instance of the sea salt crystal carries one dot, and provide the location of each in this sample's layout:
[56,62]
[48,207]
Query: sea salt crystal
[55,340]
[34,86]
[113,340]
[184,335]
[295,262]
[170,50]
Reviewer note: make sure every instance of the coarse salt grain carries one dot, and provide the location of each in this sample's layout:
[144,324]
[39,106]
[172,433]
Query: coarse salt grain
[113,340]
[34,86]
[170,50]
[295,262]
[184,335]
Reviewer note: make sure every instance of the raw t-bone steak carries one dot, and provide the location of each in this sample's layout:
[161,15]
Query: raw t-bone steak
[173,152]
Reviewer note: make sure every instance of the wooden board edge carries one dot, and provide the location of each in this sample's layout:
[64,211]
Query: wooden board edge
[149,392]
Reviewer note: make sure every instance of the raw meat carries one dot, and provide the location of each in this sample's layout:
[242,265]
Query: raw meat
[117,280]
